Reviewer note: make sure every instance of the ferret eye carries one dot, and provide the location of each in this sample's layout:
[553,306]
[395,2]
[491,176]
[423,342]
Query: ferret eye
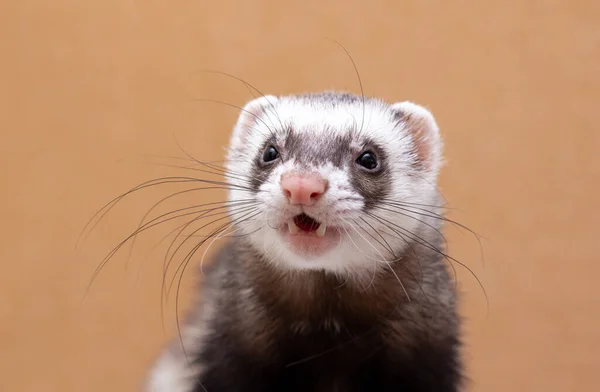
[270,154]
[367,160]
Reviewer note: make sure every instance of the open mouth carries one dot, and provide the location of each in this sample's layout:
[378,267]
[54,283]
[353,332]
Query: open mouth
[303,224]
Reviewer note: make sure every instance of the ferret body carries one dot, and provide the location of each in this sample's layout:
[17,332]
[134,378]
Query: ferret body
[336,278]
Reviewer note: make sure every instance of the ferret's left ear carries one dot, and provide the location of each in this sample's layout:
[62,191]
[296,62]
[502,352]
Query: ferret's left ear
[249,118]
[421,125]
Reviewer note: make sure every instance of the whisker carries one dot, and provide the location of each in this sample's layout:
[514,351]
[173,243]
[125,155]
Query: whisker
[404,240]
[389,248]
[398,259]
[219,236]
[383,259]
[202,236]
[249,87]
[145,227]
[428,245]
[233,177]
[216,231]
[410,203]
[401,236]
[177,194]
[167,263]
[431,214]
[362,91]
[164,271]
[185,264]
[113,202]
[212,164]
[434,215]
[258,118]
[418,220]
[155,182]
[224,171]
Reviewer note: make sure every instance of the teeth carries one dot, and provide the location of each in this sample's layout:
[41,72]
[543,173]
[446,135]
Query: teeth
[292,227]
[321,230]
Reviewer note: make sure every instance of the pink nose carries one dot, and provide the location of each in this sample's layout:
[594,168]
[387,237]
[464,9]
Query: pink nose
[303,189]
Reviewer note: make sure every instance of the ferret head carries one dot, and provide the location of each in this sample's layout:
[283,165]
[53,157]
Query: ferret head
[336,182]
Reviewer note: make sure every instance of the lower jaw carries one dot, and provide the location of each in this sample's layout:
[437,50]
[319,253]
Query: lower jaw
[309,244]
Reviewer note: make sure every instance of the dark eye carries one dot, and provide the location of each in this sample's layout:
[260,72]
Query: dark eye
[270,154]
[367,160]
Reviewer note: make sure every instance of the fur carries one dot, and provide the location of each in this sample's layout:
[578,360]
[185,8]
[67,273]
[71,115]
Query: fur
[375,313]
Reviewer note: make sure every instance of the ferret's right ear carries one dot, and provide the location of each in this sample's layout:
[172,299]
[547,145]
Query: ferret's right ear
[249,117]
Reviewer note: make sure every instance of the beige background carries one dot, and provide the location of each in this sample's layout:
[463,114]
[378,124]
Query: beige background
[90,89]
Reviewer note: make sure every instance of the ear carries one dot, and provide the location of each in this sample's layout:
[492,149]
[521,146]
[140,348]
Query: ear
[423,129]
[249,117]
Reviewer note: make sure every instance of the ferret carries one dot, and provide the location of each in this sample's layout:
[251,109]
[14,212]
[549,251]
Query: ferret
[336,279]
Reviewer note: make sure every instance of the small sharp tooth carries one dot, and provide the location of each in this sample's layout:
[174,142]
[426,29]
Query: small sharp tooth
[321,230]
[292,227]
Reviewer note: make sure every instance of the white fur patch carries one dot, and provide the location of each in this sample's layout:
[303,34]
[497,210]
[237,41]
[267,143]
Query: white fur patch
[174,370]
[170,375]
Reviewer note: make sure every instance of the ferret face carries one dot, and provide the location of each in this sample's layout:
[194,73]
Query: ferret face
[339,182]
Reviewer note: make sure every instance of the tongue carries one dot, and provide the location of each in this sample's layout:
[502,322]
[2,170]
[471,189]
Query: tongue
[306,223]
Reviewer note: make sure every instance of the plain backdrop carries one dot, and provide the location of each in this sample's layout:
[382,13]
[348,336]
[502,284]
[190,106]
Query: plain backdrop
[95,95]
